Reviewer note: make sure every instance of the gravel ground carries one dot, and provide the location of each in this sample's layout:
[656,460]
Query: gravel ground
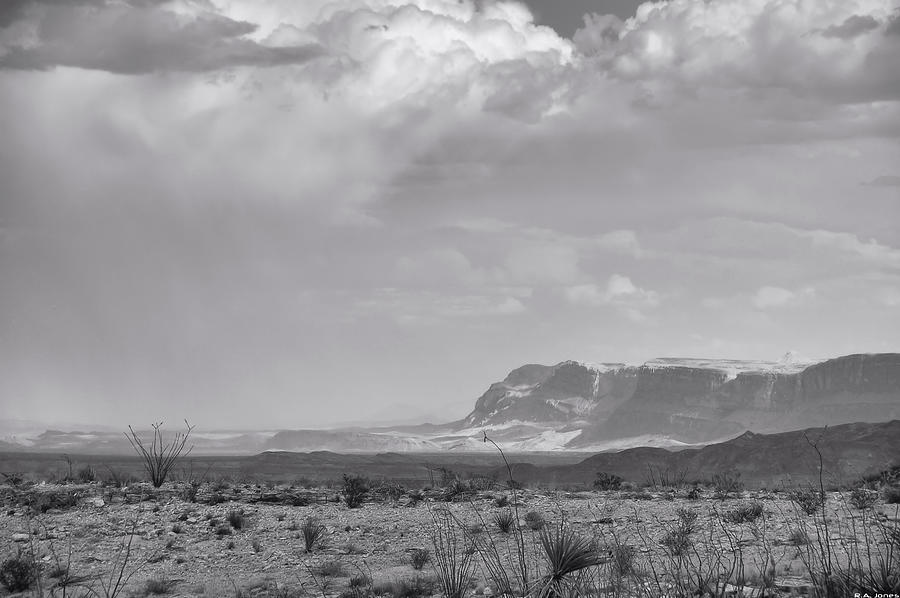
[194,551]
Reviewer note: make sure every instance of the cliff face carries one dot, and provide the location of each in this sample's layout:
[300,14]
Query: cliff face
[567,393]
[694,400]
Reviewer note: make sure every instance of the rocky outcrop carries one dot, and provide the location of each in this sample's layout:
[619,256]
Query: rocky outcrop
[691,400]
[567,393]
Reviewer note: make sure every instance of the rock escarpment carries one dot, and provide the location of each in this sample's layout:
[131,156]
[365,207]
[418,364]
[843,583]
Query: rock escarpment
[691,400]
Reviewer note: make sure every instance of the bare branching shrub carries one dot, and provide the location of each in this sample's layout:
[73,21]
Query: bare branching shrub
[454,562]
[726,484]
[159,457]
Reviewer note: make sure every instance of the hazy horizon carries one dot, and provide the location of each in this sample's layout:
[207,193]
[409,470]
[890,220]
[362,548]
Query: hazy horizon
[295,214]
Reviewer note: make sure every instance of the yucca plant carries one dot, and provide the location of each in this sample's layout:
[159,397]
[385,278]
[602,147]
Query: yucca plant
[312,533]
[566,553]
[504,521]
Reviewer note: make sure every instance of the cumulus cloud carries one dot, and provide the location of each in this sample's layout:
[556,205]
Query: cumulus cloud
[686,47]
[202,193]
[134,37]
[619,292]
[768,297]
[852,26]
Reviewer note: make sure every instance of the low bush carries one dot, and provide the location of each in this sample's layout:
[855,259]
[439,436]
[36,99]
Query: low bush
[534,520]
[236,519]
[158,586]
[355,490]
[607,481]
[862,498]
[891,495]
[747,513]
[18,573]
[808,500]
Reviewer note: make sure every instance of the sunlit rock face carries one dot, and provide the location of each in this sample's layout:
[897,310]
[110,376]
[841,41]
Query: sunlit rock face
[692,400]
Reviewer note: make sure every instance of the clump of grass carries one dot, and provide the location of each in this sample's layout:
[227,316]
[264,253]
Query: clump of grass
[312,533]
[419,558]
[223,530]
[534,520]
[504,521]
[87,474]
[501,501]
[745,513]
[236,519]
[158,586]
[333,568]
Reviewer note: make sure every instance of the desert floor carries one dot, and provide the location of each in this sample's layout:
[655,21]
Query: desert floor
[186,548]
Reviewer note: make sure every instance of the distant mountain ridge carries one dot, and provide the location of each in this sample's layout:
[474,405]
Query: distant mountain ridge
[578,406]
[691,400]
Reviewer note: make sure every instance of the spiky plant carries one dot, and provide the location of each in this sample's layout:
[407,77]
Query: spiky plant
[504,520]
[566,553]
[312,533]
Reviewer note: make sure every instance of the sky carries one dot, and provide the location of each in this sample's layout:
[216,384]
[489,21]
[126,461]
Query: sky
[271,213]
